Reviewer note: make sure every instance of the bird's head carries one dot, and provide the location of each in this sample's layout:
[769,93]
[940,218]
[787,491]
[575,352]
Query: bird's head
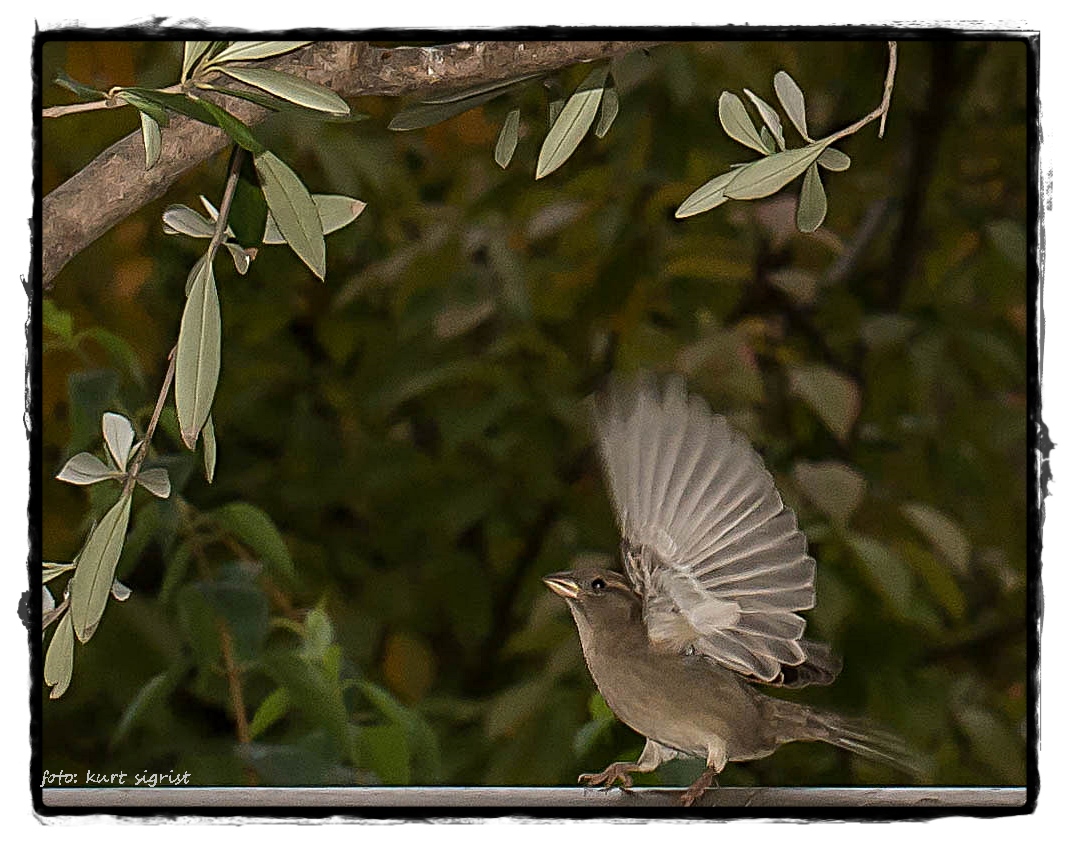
[598,598]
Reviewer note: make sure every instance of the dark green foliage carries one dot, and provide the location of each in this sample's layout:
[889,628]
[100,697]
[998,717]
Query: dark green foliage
[403,451]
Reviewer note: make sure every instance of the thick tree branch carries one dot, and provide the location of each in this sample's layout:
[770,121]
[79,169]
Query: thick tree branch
[116,183]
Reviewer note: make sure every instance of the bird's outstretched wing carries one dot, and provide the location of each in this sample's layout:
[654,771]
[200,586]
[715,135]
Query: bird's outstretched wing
[708,545]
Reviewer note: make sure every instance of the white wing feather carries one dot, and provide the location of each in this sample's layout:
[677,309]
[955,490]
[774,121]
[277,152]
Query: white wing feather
[717,558]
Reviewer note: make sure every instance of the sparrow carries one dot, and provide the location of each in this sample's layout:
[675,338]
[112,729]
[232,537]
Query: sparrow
[715,572]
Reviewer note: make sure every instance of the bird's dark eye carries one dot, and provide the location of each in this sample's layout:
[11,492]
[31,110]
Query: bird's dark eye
[597,584]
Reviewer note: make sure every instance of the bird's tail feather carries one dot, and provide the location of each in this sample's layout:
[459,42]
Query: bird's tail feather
[856,735]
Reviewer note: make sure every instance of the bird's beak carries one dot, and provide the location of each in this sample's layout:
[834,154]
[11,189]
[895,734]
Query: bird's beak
[563,584]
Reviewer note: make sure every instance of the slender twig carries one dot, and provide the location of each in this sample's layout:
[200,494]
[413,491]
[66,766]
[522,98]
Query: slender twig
[228,198]
[231,669]
[217,237]
[233,682]
[142,453]
[113,101]
[885,103]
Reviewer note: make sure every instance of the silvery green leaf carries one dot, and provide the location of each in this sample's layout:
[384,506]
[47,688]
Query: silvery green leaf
[180,219]
[195,272]
[507,139]
[213,214]
[47,601]
[766,176]
[238,131]
[77,88]
[834,160]
[208,437]
[793,101]
[254,50]
[291,88]
[610,107]
[737,123]
[707,196]
[59,661]
[91,582]
[770,117]
[197,359]
[119,436]
[424,114]
[241,257]
[53,570]
[812,203]
[86,469]
[293,210]
[156,481]
[144,104]
[768,140]
[120,591]
[573,122]
[480,90]
[191,53]
[335,212]
[150,134]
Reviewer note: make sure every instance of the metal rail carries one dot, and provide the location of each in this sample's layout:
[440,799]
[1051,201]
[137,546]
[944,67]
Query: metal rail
[441,799]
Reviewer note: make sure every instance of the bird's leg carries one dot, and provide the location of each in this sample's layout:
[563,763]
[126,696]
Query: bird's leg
[714,765]
[652,756]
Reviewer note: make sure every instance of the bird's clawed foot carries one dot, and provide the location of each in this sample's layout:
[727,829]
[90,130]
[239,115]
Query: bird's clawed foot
[616,774]
[701,785]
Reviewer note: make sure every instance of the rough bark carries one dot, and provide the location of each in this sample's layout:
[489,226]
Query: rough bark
[116,184]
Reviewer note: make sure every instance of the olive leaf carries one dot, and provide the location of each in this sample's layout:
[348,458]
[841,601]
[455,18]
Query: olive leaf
[610,107]
[737,123]
[54,570]
[197,358]
[119,437]
[156,481]
[86,469]
[77,88]
[242,257]
[146,104]
[335,212]
[290,88]
[766,176]
[208,437]
[254,50]
[769,116]
[812,203]
[153,140]
[793,101]
[429,112]
[707,196]
[571,125]
[293,210]
[91,583]
[195,273]
[192,51]
[834,160]
[507,139]
[59,661]
[180,219]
